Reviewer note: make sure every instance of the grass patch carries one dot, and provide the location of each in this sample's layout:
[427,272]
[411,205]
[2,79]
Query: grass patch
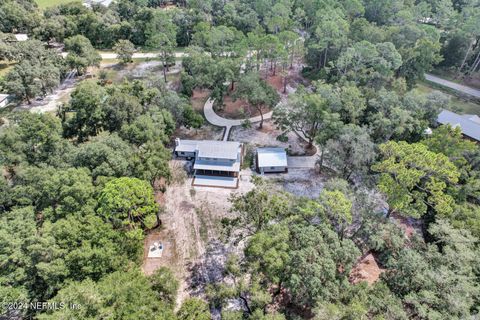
[50,3]
[5,68]
[457,104]
[249,156]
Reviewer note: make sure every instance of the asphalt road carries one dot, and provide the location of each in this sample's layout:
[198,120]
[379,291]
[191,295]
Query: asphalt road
[452,85]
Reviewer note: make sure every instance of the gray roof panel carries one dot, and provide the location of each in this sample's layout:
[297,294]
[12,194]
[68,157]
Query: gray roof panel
[470,127]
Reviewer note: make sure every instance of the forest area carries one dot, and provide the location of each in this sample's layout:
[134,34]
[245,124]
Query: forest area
[80,187]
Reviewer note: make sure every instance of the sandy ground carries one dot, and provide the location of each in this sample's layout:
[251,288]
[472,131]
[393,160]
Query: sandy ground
[300,182]
[51,102]
[267,137]
[138,70]
[191,232]
[206,132]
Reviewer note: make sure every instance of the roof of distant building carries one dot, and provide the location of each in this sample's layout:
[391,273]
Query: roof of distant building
[468,123]
[271,157]
[21,36]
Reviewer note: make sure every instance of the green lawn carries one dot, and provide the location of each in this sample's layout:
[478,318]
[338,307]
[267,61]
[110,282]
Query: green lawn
[49,3]
[456,104]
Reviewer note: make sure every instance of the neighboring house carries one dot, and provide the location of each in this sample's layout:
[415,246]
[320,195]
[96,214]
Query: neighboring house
[21,37]
[216,163]
[15,37]
[271,160]
[468,123]
[4,100]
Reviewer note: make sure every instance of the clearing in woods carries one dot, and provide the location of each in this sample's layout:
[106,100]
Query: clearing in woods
[191,231]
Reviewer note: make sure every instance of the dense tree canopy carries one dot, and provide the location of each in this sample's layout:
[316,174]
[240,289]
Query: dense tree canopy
[78,189]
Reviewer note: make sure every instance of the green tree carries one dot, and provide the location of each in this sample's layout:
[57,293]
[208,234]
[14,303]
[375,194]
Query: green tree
[120,108]
[310,115]
[257,92]
[55,192]
[368,64]
[150,163]
[338,208]
[422,273]
[105,156]
[314,271]
[331,31]
[166,47]
[34,139]
[118,295]
[129,203]
[124,50]
[267,253]
[81,53]
[351,152]
[258,206]
[87,104]
[165,285]
[193,309]
[415,179]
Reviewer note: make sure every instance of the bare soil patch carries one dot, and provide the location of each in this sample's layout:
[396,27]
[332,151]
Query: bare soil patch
[300,182]
[410,226]
[206,132]
[198,99]
[276,81]
[191,232]
[269,135]
[117,72]
[238,109]
[366,269]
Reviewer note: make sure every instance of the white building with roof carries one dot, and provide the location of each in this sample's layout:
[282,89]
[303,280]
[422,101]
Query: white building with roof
[468,123]
[4,100]
[270,160]
[21,37]
[216,163]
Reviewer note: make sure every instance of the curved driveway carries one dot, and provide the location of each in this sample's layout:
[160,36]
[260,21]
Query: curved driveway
[216,120]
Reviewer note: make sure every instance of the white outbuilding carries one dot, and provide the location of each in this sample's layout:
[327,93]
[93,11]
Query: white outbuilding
[270,160]
[4,100]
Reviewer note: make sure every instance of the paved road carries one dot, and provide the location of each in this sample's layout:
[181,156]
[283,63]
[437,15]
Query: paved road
[453,85]
[137,55]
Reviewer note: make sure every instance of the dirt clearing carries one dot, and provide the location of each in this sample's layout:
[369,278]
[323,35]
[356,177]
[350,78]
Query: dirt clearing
[191,232]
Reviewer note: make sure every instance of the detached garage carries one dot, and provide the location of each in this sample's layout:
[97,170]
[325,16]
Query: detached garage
[270,160]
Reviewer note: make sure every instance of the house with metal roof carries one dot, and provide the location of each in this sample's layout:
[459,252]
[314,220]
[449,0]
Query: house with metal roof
[4,100]
[468,123]
[270,160]
[216,163]
[21,37]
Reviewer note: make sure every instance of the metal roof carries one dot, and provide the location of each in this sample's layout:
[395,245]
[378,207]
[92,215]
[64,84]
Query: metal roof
[470,124]
[271,157]
[21,37]
[217,166]
[210,148]
[219,149]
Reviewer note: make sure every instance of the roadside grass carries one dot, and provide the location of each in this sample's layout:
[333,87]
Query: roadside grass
[457,104]
[50,3]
